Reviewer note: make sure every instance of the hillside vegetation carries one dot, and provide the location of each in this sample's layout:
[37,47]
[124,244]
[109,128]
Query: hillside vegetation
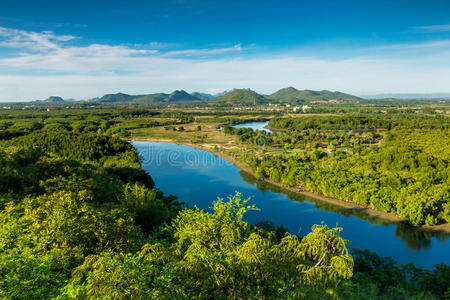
[293,96]
[80,219]
[235,97]
[241,97]
[176,96]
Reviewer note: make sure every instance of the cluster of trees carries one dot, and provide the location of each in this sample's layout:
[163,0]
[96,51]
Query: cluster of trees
[113,122]
[376,277]
[219,256]
[247,135]
[80,218]
[10,129]
[404,170]
[306,140]
[59,205]
[381,106]
[362,122]
[102,121]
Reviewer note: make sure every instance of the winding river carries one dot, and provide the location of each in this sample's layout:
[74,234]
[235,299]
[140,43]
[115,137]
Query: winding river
[198,177]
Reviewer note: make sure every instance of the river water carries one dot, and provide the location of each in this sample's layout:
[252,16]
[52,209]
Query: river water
[198,177]
[254,126]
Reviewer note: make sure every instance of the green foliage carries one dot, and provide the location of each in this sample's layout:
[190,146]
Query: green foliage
[361,121]
[293,96]
[219,256]
[56,210]
[24,275]
[84,147]
[175,96]
[80,218]
[240,97]
[382,162]
[150,206]
[378,277]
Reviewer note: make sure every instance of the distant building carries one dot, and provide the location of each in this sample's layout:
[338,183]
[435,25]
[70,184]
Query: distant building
[305,108]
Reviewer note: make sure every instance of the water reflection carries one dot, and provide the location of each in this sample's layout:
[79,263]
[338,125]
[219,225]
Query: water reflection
[415,239]
[198,178]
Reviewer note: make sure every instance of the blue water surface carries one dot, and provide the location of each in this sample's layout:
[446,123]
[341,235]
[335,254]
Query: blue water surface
[254,126]
[198,177]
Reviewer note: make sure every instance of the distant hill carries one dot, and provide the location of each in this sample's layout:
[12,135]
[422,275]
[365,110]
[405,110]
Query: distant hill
[181,96]
[241,97]
[175,96]
[54,99]
[203,96]
[227,91]
[50,100]
[119,97]
[246,97]
[293,96]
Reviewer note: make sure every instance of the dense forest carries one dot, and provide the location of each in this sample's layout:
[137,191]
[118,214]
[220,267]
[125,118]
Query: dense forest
[396,163]
[80,218]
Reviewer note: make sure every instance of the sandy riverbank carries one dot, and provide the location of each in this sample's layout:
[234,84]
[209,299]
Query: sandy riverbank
[338,202]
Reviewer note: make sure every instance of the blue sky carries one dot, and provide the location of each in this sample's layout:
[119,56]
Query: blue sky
[82,49]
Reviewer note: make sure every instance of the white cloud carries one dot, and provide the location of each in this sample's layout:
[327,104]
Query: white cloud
[433,28]
[359,76]
[161,45]
[423,45]
[205,52]
[34,41]
[47,66]
[93,58]
[213,90]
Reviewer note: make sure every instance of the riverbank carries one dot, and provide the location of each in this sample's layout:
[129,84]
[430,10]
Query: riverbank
[355,207]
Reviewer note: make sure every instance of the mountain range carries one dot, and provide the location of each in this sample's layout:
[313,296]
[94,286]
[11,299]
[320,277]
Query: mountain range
[288,95]
[247,97]
[174,97]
